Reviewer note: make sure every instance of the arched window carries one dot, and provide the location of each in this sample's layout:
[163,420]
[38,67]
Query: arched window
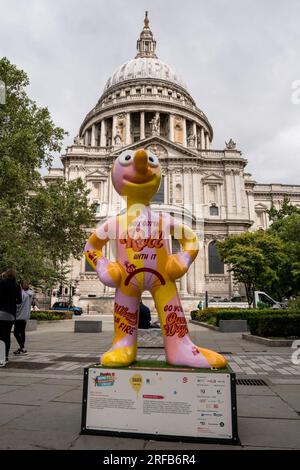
[160,195]
[213,210]
[215,265]
[88,268]
[178,193]
[175,246]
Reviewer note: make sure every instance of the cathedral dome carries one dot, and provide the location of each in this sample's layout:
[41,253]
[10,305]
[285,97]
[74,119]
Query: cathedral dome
[145,68]
[146,64]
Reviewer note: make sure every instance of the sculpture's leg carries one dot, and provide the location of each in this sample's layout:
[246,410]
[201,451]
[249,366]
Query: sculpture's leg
[126,313]
[179,348]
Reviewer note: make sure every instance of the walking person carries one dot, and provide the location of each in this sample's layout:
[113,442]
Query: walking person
[10,296]
[22,316]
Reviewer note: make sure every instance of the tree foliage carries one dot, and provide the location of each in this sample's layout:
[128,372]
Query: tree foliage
[254,259]
[40,226]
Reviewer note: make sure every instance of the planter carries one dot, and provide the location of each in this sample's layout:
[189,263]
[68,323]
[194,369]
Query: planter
[267,341]
[233,326]
[202,323]
[87,326]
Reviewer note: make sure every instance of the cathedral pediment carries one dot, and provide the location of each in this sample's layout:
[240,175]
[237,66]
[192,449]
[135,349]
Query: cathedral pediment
[161,147]
[96,174]
[212,178]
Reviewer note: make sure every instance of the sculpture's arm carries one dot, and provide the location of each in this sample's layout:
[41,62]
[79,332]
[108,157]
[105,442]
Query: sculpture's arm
[109,272]
[179,263]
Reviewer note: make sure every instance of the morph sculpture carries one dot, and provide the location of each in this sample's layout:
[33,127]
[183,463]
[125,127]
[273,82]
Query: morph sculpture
[144,262]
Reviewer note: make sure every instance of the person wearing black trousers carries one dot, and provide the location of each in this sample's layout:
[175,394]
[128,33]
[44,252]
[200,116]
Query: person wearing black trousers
[22,315]
[10,296]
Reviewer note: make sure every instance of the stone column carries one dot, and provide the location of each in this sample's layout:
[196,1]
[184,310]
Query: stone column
[103,134]
[93,137]
[195,134]
[171,127]
[207,143]
[202,138]
[252,215]
[127,130]
[190,281]
[238,192]
[157,119]
[142,125]
[184,133]
[228,189]
[114,129]
[86,138]
[183,284]
[186,190]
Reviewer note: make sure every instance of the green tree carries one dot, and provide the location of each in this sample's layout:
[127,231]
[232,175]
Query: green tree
[40,226]
[285,210]
[254,259]
[65,214]
[28,136]
[288,230]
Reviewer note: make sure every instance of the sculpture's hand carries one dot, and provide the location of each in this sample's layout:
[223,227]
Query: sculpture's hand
[175,267]
[109,272]
[114,271]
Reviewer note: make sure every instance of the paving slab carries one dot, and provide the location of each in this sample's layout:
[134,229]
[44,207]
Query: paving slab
[14,439]
[181,446]
[10,412]
[264,407]
[72,396]
[60,381]
[51,417]
[35,394]
[273,433]
[7,388]
[290,394]
[107,443]
[249,390]
[18,379]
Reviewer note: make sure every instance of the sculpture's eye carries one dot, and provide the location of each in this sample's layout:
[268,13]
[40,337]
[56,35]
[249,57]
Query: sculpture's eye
[153,160]
[125,158]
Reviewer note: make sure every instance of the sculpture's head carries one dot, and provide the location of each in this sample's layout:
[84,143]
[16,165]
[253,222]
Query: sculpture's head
[136,174]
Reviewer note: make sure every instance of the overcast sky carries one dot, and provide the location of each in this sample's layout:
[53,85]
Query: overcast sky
[239,59]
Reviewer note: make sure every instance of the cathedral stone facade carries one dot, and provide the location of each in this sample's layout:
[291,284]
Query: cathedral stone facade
[145,103]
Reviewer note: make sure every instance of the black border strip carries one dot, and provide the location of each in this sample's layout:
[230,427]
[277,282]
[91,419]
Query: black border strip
[84,399]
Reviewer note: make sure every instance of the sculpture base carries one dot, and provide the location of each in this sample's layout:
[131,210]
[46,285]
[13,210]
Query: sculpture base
[153,400]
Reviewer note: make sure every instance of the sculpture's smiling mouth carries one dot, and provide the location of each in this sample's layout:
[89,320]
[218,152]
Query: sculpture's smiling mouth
[138,178]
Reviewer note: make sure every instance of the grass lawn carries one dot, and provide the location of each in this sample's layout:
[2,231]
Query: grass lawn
[146,364]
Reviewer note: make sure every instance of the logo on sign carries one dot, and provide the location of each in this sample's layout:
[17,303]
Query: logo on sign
[105,379]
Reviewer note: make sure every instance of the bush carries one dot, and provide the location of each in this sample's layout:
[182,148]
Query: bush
[48,315]
[275,326]
[213,316]
[295,303]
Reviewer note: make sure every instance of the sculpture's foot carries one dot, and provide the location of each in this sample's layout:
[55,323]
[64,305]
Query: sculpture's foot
[215,360]
[192,356]
[119,357]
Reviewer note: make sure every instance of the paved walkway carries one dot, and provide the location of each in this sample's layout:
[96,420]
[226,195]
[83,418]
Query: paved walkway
[41,393]
[247,364]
